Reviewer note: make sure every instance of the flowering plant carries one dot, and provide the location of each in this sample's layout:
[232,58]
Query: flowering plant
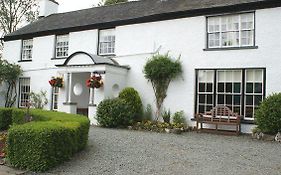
[95,81]
[56,82]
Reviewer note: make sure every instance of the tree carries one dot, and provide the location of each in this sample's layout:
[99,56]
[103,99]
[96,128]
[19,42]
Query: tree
[14,13]
[9,74]
[160,70]
[110,2]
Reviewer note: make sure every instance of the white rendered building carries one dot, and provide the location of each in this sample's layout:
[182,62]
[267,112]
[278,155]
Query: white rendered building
[230,52]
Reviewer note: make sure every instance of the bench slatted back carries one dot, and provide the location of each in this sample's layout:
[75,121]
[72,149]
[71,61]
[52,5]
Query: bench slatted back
[221,112]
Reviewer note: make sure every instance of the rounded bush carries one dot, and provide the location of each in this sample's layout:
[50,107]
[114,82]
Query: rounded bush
[268,115]
[50,139]
[114,113]
[133,100]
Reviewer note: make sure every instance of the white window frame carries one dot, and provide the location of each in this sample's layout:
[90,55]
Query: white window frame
[62,46]
[24,91]
[26,53]
[55,96]
[218,30]
[106,45]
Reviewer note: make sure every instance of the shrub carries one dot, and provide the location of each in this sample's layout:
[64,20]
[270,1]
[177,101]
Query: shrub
[178,118]
[166,115]
[132,98]
[5,118]
[268,115]
[51,138]
[114,113]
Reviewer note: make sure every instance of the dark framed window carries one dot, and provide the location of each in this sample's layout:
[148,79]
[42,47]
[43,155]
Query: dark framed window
[62,44]
[26,53]
[242,90]
[233,30]
[24,91]
[106,42]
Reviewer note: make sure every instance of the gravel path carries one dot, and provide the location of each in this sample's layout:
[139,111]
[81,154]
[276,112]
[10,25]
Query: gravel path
[123,152]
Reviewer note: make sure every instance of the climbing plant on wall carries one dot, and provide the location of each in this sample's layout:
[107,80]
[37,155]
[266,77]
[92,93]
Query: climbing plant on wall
[160,70]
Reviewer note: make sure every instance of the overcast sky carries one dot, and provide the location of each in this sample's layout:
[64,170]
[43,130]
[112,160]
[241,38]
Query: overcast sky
[71,5]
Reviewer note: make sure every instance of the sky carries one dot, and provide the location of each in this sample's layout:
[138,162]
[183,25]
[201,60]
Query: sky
[71,5]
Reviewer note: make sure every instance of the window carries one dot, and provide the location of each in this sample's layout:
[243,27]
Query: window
[55,96]
[24,89]
[231,30]
[242,90]
[62,46]
[27,46]
[106,42]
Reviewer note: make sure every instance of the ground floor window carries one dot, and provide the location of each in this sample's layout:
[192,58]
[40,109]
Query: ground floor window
[55,96]
[241,90]
[24,91]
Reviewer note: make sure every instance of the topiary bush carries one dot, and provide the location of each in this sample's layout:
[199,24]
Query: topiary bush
[268,115]
[51,138]
[5,118]
[133,100]
[114,113]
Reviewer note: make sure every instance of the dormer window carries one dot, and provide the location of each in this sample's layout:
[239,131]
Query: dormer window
[62,42]
[27,46]
[231,31]
[106,42]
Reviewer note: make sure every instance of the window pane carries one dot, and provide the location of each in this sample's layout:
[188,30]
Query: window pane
[258,100]
[201,109]
[201,87]
[229,99]
[247,21]
[220,87]
[209,87]
[258,87]
[249,100]
[237,99]
[202,99]
[249,112]
[249,87]
[237,87]
[220,99]
[210,99]
[228,87]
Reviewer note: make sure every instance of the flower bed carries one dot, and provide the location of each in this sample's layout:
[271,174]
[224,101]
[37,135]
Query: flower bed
[161,127]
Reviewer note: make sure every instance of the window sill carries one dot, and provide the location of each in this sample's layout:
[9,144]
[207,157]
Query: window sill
[107,55]
[60,58]
[250,122]
[231,48]
[24,61]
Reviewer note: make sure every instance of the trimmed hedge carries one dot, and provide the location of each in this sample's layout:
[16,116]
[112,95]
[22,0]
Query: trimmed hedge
[5,118]
[268,115]
[114,113]
[132,98]
[50,139]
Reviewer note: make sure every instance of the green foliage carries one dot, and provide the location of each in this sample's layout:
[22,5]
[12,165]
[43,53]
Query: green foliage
[179,118]
[5,118]
[50,139]
[160,70]
[133,100]
[268,115]
[157,126]
[166,115]
[111,2]
[9,74]
[147,115]
[38,100]
[114,113]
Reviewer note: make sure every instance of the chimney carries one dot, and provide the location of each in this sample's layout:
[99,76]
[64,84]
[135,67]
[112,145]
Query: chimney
[47,7]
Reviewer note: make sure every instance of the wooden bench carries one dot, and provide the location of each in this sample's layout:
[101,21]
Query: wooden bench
[219,115]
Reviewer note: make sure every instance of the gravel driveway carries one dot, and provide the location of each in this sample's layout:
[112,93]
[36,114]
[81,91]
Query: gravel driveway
[123,152]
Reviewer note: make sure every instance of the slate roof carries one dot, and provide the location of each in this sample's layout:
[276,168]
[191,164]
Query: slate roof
[131,13]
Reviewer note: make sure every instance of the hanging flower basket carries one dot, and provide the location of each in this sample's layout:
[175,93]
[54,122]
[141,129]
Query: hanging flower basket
[95,81]
[56,82]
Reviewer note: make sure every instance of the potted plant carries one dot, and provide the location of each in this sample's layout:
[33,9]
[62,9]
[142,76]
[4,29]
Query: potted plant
[56,82]
[95,81]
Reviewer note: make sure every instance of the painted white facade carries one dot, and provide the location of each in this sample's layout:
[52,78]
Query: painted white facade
[184,37]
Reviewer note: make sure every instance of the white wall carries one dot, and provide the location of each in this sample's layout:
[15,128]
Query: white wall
[185,37]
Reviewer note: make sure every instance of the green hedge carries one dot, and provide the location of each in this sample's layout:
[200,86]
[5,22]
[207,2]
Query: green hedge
[5,118]
[51,138]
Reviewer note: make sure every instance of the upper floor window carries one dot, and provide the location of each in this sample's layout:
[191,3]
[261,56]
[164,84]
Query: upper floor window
[62,42]
[27,46]
[107,42]
[231,30]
